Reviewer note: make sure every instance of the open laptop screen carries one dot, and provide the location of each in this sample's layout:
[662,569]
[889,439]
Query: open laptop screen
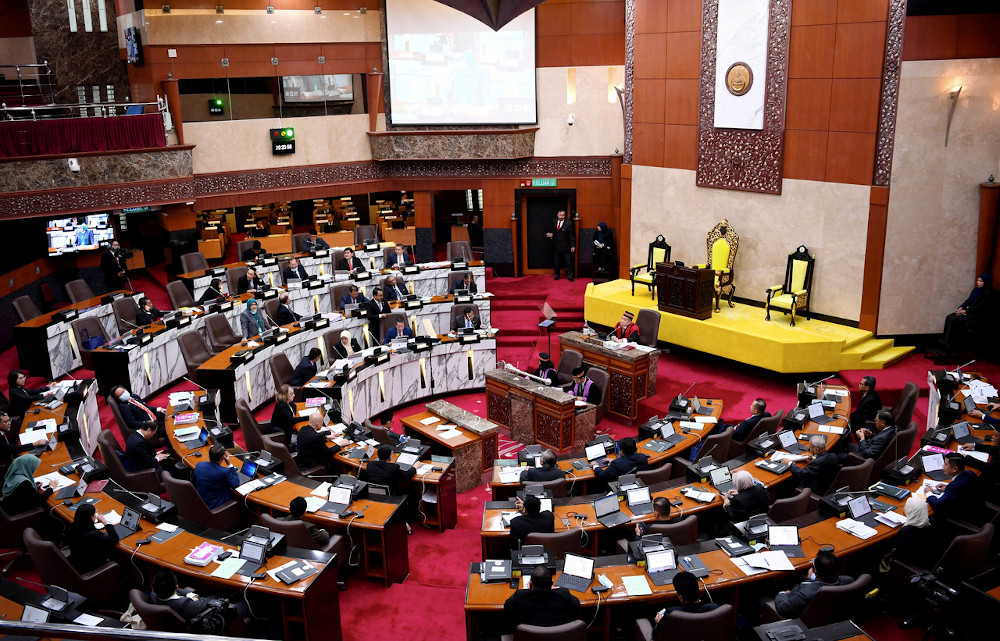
[253,552]
[787,438]
[606,505]
[595,452]
[783,535]
[638,495]
[859,506]
[720,475]
[340,495]
[580,566]
[660,560]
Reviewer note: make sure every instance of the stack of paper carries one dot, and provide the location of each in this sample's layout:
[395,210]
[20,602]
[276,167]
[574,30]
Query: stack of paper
[450,434]
[228,567]
[772,560]
[745,567]
[705,419]
[246,488]
[636,585]
[836,392]
[702,497]
[61,481]
[780,455]
[510,475]
[430,420]
[892,519]
[832,429]
[322,490]
[979,456]
[930,487]
[314,503]
[857,528]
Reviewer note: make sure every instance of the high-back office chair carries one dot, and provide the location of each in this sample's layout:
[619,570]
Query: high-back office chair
[793,507]
[84,328]
[233,277]
[253,433]
[557,486]
[365,234]
[645,273]
[390,321]
[179,295]
[717,445]
[271,308]
[100,585]
[299,243]
[389,251]
[648,321]
[572,631]
[281,452]
[460,250]
[281,371]
[227,517]
[559,543]
[194,262]
[194,350]
[768,424]
[125,310]
[26,309]
[568,361]
[78,290]
[656,475]
[684,532]
[828,605]
[159,618]
[722,244]
[399,283]
[220,333]
[243,246]
[793,296]
[715,625]
[337,292]
[138,482]
[123,429]
[459,310]
[601,379]
[12,527]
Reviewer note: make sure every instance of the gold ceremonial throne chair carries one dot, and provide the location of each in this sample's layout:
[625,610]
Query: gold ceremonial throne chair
[659,252]
[793,296]
[722,244]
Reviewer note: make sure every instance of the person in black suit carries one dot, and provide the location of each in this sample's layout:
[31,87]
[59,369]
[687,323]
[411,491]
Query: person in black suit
[312,445]
[212,293]
[355,297]
[296,509]
[661,515]
[748,499]
[541,604]
[398,257]
[314,242]
[114,267]
[10,443]
[294,270]
[871,445]
[285,315]
[394,289]
[819,472]
[391,475]
[399,330]
[253,252]
[546,369]
[960,499]
[347,345]
[306,368]
[186,603]
[475,228]
[629,462]
[260,229]
[376,309]
[147,314]
[758,410]
[285,413]
[350,262]
[868,406]
[140,452]
[689,594]
[89,547]
[135,412]
[563,245]
[466,320]
[825,571]
[547,472]
[22,397]
[249,282]
[532,519]
[584,388]
[467,282]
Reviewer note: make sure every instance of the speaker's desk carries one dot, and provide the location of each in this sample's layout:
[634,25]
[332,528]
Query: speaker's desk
[631,370]
[474,445]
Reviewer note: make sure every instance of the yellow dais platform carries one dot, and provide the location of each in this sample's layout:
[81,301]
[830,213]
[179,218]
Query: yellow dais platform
[741,334]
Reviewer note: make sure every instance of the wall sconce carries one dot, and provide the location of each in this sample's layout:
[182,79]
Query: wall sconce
[953,96]
[571,86]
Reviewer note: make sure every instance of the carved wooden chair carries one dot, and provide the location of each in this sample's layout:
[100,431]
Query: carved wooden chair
[645,273]
[722,244]
[793,295]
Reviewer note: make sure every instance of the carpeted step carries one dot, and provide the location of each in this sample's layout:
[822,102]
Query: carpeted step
[886,356]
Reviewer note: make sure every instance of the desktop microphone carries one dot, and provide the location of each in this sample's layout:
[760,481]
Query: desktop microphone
[710,450]
[229,536]
[41,585]
[204,389]
[823,380]
[221,295]
[139,327]
[687,390]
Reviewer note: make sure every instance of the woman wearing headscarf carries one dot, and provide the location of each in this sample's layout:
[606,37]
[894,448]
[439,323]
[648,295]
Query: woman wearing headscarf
[748,499]
[20,492]
[912,539]
[963,325]
[347,345]
[90,547]
[604,249]
[253,320]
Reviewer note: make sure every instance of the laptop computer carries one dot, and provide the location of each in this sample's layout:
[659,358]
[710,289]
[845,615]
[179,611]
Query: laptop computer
[861,510]
[50,445]
[639,500]
[963,434]
[73,490]
[129,524]
[698,408]
[595,452]
[577,574]
[247,472]
[56,600]
[790,443]
[34,614]
[406,460]
[784,538]
[661,566]
[670,435]
[722,479]
[969,404]
[198,441]
[340,499]
[609,512]
[254,555]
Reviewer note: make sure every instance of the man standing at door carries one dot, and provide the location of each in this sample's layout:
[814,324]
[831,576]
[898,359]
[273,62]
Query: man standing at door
[563,245]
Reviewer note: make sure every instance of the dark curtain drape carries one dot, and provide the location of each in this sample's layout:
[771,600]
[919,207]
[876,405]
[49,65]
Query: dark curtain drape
[73,135]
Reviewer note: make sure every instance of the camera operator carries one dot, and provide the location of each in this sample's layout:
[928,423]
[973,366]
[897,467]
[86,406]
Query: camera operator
[202,615]
[114,267]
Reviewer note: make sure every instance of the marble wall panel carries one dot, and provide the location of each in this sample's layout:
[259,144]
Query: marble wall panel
[933,214]
[831,219]
[17,51]
[598,130]
[98,169]
[240,26]
[413,145]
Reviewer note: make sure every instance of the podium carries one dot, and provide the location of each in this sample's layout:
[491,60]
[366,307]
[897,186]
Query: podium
[685,290]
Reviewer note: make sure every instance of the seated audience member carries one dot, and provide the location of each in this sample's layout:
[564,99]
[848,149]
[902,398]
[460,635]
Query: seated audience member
[285,315]
[467,283]
[253,320]
[626,331]
[385,421]
[584,388]
[991,473]
[819,472]
[376,309]
[312,445]
[689,594]
[547,472]
[629,462]
[249,282]
[661,516]
[253,252]
[748,499]
[868,406]
[294,270]
[295,511]
[147,314]
[306,368]
[353,297]
[964,326]
[758,410]
[10,442]
[532,519]
[212,293]
[393,290]
[398,257]
[399,330]
[135,411]
[872,445]
[20,491]
[960,498]
[912,540]
[22,397]
[541,604]
[314,242]
[791,603]
[186,603]
[215,477]
[347,345]
[259,230]
[383,472]
[546,369]
[466,321]
[90,547]
[350,262]
[140,453]
[285,413]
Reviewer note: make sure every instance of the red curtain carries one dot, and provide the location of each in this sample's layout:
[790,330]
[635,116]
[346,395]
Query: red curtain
[43,137]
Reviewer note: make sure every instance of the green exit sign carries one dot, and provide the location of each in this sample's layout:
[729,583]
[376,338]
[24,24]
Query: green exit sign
[543,182]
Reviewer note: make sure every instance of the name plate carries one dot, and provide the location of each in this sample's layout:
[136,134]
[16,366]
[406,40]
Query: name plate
[321,253]
[411,269]
[371,247]
[174,323]
[466,298]
[360,275]
[267,261]
[267,294]
[465,339]
[242,356]
[318,323]
[459,265]
[414,304]
[220,307]
[314,284]
[217,271]
[66,315]
[110,298]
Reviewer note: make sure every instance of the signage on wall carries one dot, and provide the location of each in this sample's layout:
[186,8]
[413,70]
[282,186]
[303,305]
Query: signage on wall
[538,182]
[282,141]
[216,107]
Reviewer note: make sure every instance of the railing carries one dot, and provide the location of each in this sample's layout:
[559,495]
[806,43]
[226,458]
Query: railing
[30,76]
[69,631]
[77,110]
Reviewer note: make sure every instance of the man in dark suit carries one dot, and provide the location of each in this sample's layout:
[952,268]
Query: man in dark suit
[563,245]
[294,270]
[475,229]
[350,262]
[314,242]
[466,320]
[394,288]
[872,445]
[296,509]
[757,411]
[467,282]
[354,297]
[629,462]
[391,475]
[135,412]
[661,515]
[532,519]
[312,445]
[825,571]
[960,498]
[114,267]
[306,368]
[547,472]
[249,282]
[140,452]
[584,388]
[253,252]
[541,604]
[147,314]
[398,330]
[868,406]
[398,257]
[285,315]
[376,309]
[819,472]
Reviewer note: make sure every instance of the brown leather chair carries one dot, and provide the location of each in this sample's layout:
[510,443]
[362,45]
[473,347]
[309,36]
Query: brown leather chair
[557,487]
[793,507]
[902,409]
[600,378]
[220,333]
[379,433]
[558,542]
[898,446]
[244,245]
[365,233]
[683,532]
[568,361]
[965,556]
[853,477]
[458,310]
[179,295]
[657,475]
[389,251]
[194,262]
[828,605]
[138,482]
[100,585]
[331,339]
[78,290]
[123,429]
[194,350]
[253,434]
[337,292]
[459,250]
[648,321]
[271,309]
[572,631]
[389,321]
[768,424]
[11,528]
[281,371]
[717,445]
[227,517]
[278,449]
[233,276]
[299,243]
[159,618]
[124,310]
[92,327]
[26,309]
[297,535]
[716,625]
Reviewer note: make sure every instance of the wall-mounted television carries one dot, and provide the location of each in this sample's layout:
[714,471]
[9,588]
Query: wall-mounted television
[79,234]
[133,46]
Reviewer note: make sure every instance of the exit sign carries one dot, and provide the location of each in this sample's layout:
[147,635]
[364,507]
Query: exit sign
[538,182]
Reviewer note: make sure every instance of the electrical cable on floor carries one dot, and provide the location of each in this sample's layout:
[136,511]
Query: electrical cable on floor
[350,554]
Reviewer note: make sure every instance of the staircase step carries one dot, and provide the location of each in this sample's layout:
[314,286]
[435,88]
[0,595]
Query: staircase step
[885,357]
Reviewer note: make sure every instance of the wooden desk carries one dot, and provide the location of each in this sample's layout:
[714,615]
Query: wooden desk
[539,414]
[631,371]
[474,450]
[276,244]
[212,249]
[685,290]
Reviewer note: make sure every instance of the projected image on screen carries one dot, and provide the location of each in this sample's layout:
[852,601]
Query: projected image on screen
[317,88]
[78,233]
[446,68]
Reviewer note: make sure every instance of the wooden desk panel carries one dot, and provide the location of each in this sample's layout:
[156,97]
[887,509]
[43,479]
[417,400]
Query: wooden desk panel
[470,450]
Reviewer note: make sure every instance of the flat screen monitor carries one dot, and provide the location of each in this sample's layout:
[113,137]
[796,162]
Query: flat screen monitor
[78,233]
